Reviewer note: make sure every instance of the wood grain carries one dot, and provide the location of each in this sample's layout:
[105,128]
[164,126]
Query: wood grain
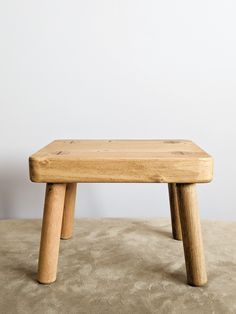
[174,210]
[51,230]
[170,161]
[191,233]
[68,214]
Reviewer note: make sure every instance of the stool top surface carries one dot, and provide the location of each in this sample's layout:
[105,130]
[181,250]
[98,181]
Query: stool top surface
[121,161]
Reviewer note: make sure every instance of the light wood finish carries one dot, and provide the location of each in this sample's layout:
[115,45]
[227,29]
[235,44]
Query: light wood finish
[68,214]
[191,233]
[167,161]
[51,230]
[64,163]
[174,210]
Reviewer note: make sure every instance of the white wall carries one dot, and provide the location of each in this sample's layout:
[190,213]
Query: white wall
[117,69]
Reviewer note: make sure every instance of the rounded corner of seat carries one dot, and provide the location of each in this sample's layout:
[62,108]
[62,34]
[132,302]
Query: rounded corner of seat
[34,165]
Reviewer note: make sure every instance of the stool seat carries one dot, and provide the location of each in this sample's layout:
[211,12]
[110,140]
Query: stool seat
[166,161]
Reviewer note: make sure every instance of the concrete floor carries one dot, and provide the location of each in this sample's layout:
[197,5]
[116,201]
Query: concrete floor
[116,266]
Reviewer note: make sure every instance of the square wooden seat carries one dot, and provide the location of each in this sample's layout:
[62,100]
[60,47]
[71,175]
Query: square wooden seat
[121,161]
[63,163]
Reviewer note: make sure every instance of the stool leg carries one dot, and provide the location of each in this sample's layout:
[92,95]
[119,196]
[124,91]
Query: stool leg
[191,232]
[174,210]
[68,215]
[50,235]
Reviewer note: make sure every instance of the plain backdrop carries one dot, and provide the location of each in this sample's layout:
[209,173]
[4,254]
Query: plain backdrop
[112,69]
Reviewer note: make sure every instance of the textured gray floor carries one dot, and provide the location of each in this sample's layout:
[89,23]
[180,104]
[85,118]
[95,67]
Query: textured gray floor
[116,266]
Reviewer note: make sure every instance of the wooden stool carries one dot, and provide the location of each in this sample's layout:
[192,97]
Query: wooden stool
[63,163]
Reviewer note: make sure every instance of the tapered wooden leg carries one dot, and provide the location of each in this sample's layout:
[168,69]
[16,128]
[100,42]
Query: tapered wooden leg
[174,210]
[191,233]
[68,215]
[51,230]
